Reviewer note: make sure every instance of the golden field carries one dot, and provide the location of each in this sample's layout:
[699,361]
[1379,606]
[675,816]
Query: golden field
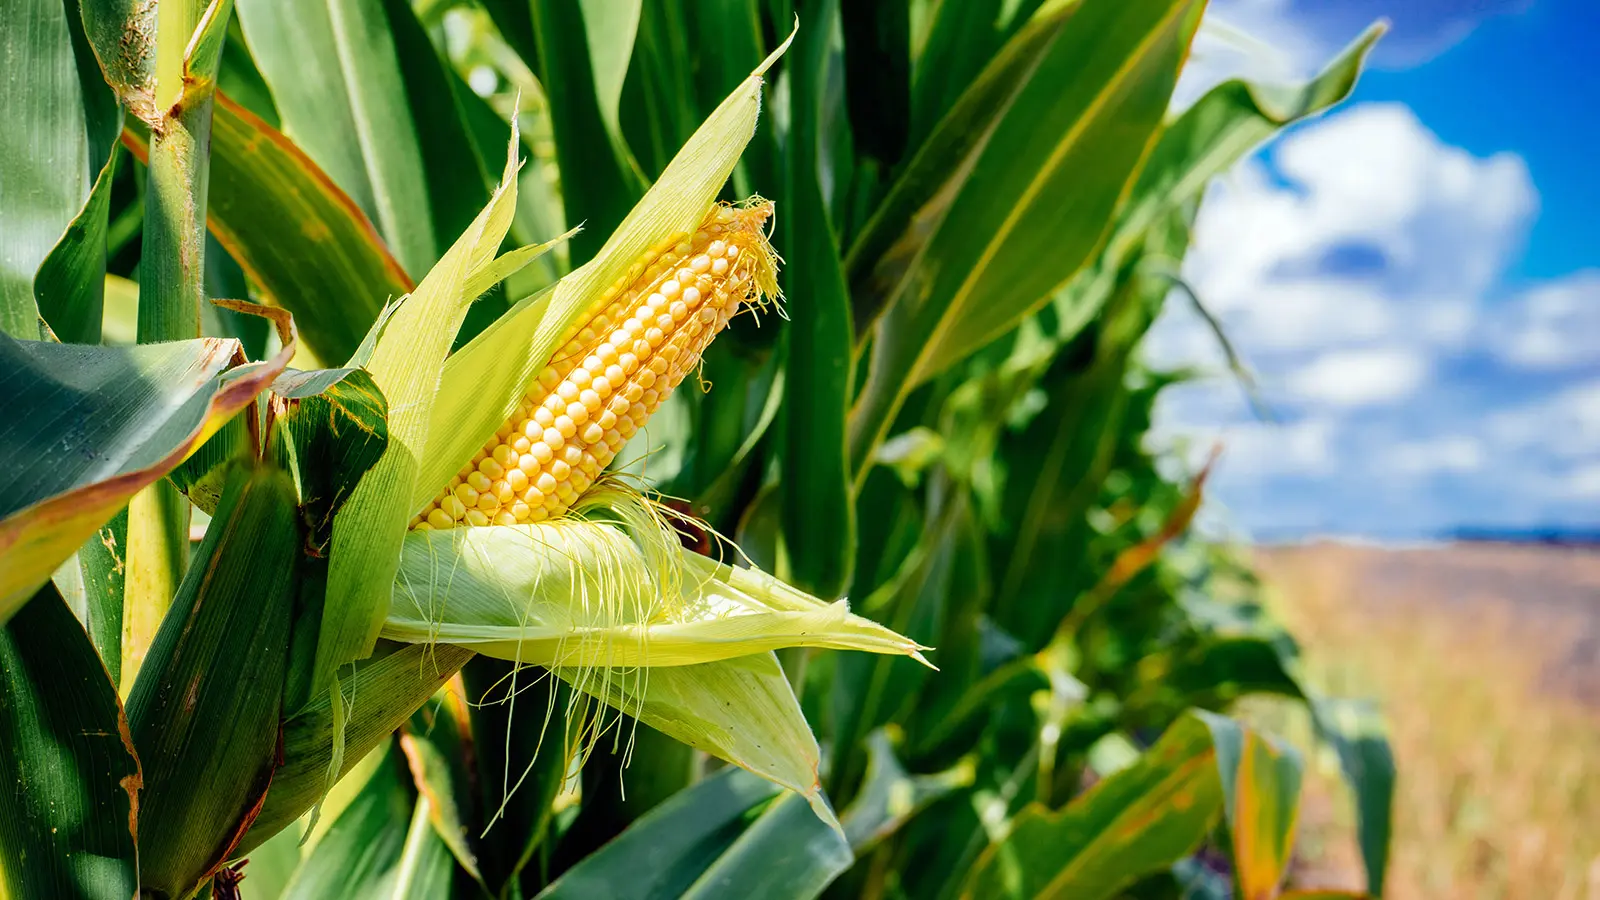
[1486,659]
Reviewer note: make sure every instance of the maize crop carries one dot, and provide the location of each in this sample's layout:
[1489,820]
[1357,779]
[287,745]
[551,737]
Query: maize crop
[432,641]
[612,372]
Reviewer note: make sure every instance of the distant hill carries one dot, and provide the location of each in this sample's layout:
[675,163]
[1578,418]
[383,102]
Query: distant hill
[1558,537]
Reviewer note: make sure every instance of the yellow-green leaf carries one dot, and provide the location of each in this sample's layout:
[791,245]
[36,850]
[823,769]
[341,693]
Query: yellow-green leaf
[405,365]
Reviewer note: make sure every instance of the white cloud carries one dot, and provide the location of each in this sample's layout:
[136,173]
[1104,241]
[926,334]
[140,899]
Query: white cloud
[1585,481]
[1359,268]
[1358,227]
[1563,426]
[1363,377]
[1553,326]
[1450,453]
[1299,35]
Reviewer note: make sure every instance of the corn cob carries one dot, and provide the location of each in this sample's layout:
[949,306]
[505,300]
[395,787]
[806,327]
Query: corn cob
[612,372]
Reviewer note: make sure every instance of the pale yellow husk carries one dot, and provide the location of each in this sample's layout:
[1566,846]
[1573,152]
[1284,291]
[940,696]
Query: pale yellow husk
[586,593]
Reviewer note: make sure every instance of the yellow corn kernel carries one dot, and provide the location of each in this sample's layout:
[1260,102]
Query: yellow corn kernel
[612,372]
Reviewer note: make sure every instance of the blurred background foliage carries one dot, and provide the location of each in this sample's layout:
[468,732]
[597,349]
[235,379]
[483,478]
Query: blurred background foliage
[982,207]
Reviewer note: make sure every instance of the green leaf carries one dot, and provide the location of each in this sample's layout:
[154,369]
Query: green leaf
[609,28]
[962,38]
[1219,129]
[70,284]
[887,247]
[435,743]
[663,853]
[519,726]
[1055,467]
[51,84]
[69,813]
[877,68]
[597,188]
[870,691]
[658,108]
[140,412]
[724,837]
[102,566]
[726,40]
[380,846]
[1146,816]
[202,58]
[785,852]
[330,428]
[1137,821]
[336,80]
[1357,733]
[1037,203]
[890,795]
[459,179]
[818,515]
[205,707]
[303,242]
[381,693]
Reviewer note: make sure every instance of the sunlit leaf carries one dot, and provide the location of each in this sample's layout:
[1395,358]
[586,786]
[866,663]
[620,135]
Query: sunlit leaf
[337,85]
[140,412]
[991,249]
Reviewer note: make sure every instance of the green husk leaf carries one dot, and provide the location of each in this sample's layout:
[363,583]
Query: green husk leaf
[381,692]
[206,704]
[405,366]
[484,381]
[740,710]
[574,592]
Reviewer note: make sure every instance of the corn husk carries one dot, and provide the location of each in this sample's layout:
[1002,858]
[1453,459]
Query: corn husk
[483,382]
[585,592]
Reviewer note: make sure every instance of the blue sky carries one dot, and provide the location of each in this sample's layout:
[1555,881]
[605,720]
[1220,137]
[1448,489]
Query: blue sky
[1414,278]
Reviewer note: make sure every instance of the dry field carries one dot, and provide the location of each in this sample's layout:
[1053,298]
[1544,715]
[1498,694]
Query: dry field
[1486,658]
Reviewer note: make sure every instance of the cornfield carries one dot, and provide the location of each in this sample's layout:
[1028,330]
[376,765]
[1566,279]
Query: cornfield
[379,518]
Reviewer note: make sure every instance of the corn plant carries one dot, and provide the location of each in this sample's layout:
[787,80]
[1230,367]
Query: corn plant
[359,535]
